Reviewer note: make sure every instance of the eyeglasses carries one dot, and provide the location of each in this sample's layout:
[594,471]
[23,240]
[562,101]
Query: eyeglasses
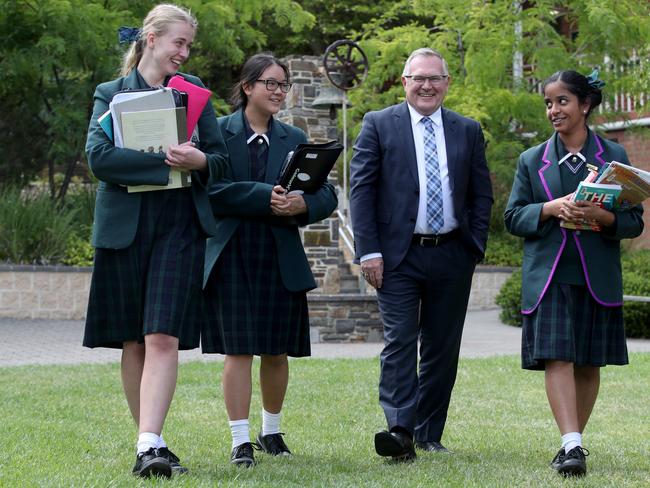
[272,85]
[434,79]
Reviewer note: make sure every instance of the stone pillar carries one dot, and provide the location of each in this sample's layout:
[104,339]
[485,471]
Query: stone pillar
[321,240]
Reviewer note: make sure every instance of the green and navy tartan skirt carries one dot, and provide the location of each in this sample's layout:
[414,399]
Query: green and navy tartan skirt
[250,311]
[154,285]
[569,325]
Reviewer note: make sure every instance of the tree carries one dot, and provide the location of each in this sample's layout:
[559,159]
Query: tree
[56,51]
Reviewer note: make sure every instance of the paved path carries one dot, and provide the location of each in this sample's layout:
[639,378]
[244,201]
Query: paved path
[59,342]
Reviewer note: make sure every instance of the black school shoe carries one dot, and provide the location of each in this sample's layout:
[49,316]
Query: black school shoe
[396,444]
[273,444]
[151,463]
[574,462]
[174,462]
[558,459]
[242,455]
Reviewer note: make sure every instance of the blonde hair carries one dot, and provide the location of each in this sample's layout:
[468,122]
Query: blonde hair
[157,21]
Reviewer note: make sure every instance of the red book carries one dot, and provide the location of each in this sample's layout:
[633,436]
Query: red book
[197,97]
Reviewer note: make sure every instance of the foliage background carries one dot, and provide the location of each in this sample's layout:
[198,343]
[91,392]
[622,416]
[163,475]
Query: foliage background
[56,51]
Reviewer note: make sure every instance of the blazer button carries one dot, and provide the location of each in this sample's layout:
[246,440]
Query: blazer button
[417,192]
[412,219]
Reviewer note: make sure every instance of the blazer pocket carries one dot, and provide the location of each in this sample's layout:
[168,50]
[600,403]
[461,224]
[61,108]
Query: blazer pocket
[116,219]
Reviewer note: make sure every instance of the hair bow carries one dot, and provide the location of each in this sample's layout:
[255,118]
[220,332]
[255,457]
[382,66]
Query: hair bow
[593,80]
[128,34]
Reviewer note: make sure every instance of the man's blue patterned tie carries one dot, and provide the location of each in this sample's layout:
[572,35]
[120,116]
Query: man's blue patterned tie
[432,171]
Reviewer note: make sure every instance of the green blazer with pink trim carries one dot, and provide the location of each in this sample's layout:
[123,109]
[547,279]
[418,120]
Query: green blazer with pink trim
[537,180]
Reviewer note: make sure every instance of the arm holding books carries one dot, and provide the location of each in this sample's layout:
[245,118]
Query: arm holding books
[118,165]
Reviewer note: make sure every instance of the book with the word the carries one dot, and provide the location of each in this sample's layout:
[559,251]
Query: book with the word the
[604,195]
[635,183]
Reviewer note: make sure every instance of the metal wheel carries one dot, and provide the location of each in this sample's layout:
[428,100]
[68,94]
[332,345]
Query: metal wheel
[346,65]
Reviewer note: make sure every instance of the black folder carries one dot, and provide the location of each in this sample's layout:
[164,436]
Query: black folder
[306,168]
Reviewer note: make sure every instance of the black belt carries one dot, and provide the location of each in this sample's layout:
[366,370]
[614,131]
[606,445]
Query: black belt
[434,240]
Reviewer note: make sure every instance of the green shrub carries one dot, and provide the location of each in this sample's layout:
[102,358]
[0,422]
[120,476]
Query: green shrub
[79,251]
[32,229]
[636,281]
[509,299]
[503,249]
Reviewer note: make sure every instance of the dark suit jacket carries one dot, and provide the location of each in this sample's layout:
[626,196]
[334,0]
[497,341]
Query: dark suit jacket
[116,211]
[384,185]
[538,181]
[236,197]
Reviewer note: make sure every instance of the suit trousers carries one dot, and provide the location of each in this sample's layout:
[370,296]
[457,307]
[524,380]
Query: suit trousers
[425,298]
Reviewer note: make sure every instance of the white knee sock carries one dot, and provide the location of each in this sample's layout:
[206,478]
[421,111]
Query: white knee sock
[571,440]
[270,422]
[147,440]
[239,431]
[161,442]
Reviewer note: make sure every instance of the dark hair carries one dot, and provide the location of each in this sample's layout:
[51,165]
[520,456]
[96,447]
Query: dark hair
[580,86]
[250,73]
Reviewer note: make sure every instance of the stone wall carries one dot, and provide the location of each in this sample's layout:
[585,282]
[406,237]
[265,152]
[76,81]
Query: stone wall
[321,240]
[59,292]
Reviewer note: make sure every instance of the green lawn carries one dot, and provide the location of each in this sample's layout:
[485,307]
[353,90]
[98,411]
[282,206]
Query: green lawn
[69,426]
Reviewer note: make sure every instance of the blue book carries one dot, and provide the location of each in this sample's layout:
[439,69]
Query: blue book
[106,122]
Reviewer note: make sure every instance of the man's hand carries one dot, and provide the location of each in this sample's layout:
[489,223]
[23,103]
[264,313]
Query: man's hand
[373,271]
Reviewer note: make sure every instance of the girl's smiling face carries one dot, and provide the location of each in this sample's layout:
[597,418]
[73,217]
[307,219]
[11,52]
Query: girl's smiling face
[564,110]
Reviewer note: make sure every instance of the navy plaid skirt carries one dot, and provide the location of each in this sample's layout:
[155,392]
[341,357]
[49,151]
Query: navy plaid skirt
[569,325]
[250,311]
[154,285]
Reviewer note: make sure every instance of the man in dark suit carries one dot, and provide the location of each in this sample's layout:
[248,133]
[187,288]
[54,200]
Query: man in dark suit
[420,203]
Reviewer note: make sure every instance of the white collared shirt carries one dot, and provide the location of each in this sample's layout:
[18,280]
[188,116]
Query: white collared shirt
[450,222]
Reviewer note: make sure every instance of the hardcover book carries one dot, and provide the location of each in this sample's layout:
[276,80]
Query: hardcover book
[153,131]
[635,183]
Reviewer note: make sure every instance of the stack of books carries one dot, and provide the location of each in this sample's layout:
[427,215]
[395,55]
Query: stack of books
[153,119]
[618,187]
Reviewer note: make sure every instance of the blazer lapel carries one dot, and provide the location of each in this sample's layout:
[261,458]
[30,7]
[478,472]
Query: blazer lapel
[549,172]
[237,148]
[404,132]
[451,146]
[278,149]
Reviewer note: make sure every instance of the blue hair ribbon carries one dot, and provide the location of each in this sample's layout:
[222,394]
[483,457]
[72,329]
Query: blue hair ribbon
[128,34]
[593,80]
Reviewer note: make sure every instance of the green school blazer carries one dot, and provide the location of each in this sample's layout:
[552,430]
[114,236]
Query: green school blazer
[116,211]
[236,197]
[537,181]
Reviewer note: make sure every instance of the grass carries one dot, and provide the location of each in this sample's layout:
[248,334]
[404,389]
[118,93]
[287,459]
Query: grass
[69,426]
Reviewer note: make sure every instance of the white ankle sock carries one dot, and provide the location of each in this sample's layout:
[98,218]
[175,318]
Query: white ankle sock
[270,422]
[571,440]
[239,431]
[161,442]
[147,440]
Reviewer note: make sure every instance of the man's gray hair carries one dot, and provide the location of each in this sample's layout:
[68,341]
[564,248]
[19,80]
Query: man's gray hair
[424,51]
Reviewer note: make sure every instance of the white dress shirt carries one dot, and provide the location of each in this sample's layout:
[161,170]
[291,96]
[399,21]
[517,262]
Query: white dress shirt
[450,222]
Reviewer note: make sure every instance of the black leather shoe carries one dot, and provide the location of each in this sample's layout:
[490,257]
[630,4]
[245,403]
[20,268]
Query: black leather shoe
[432,446]
[242,455]
[174,462]
[273,444]
[574,462]
[151,463]
[397,445]
[558,459]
